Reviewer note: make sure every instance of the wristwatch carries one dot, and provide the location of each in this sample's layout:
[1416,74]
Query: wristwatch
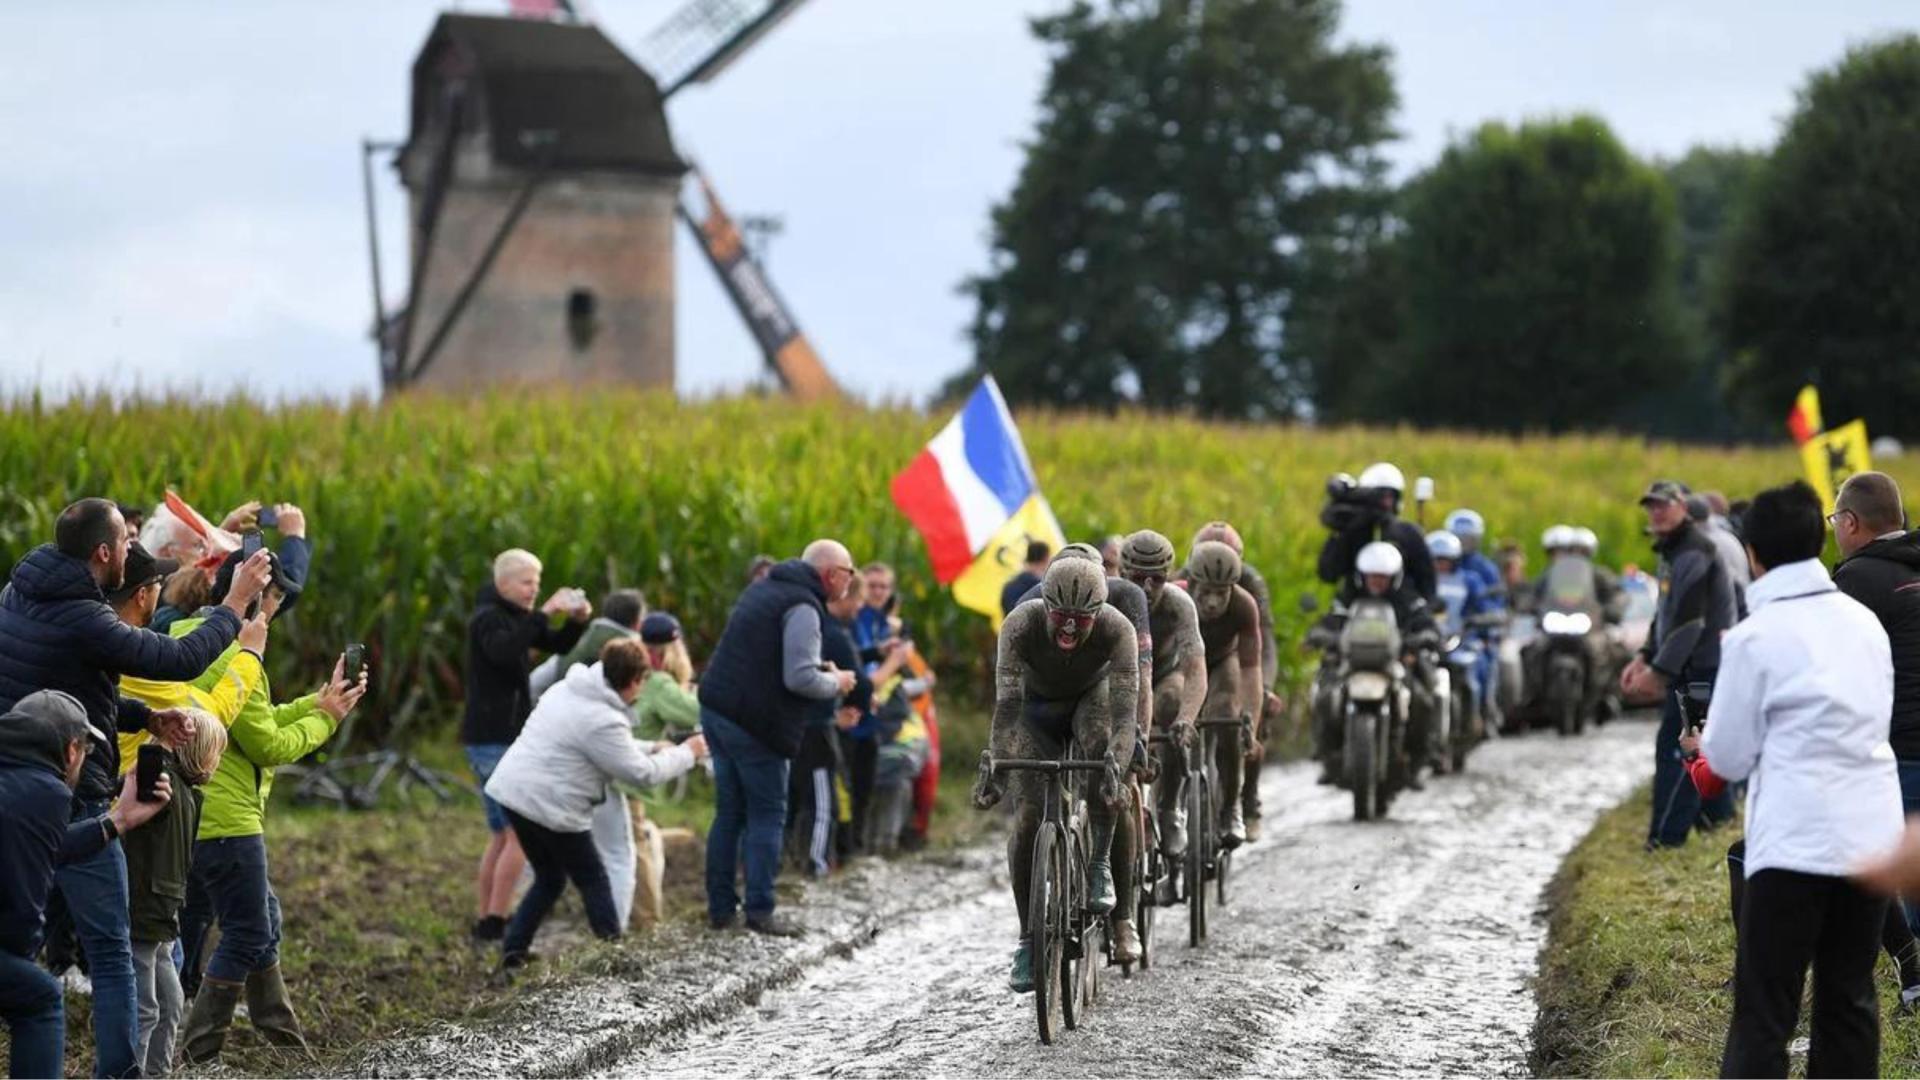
[108,829]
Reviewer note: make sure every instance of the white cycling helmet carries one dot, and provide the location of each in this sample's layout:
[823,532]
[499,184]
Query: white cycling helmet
[1586,541]
[1464,523]
[1442,544]
[1557,537]
[1380,557]
[1381,475]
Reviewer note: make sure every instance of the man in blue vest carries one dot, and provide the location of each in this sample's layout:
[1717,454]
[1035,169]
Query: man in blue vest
[764,682]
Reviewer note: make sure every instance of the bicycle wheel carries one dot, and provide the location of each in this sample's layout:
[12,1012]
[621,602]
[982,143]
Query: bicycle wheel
[1151,867]
[1200,839]
[1045,920]
[1074,938]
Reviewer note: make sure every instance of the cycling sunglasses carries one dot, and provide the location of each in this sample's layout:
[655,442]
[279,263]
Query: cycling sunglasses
[1082,619]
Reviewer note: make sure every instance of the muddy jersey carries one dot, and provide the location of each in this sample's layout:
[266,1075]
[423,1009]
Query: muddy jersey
[1176,631]
[1237,630]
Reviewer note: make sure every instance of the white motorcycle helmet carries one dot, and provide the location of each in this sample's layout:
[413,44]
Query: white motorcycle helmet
[1586,542]
[1383,475]
[1442,544]
[1382,558]
[1557,538]
[1466,523]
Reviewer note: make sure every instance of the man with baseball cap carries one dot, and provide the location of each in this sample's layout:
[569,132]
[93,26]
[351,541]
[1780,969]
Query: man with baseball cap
[1696,606]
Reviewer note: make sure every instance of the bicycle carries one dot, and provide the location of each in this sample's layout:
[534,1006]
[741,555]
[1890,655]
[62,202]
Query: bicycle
[1208,860]
[1058,922]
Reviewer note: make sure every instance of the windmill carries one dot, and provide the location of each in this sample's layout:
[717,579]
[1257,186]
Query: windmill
[544,184]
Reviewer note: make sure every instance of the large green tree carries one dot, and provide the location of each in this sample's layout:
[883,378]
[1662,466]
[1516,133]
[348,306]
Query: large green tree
[1189,154]
[1823,275]
[1539,271]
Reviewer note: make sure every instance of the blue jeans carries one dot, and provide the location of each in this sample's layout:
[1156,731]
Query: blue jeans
[96,892]
[485,757]
[1910,805]
[749,816]
[229,885]
[35,1015]
[1677,805]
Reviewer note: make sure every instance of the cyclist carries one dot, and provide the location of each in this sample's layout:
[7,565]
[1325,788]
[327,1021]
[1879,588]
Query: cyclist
[1230,632]
[1179,675]
[1269,704]
[1131,601]
[1067,676]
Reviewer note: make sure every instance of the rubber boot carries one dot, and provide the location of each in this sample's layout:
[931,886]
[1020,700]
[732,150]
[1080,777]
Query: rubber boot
[1100,896]
[272,1012]
[205,1034]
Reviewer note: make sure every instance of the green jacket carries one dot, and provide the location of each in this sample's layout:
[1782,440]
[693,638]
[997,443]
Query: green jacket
[263,736]
[159,854]
[587,649]
[664,708]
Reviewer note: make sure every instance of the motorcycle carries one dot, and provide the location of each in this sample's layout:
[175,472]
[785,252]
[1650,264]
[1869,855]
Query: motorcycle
[1469,714]
[1569,615]
[1369,695]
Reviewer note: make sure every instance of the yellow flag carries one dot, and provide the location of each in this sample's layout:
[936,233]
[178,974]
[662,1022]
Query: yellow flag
[1832,456]
[978,587]
[1804,421]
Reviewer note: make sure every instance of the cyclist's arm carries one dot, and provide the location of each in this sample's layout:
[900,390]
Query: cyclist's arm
[1250,694]
[1123,694]
[1193,665]
[1009,680]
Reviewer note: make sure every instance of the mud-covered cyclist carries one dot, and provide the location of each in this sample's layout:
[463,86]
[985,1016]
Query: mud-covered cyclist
[1230,634]
[1068,665]
[1179,678]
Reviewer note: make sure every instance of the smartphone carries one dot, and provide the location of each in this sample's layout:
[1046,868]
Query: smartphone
[147,772]
[251,543]
[268,517]
[355,656]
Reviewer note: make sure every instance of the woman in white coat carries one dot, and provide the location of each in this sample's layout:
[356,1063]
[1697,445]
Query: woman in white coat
[578,741]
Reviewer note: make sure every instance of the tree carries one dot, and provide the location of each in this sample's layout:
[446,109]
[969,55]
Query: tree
[1821,282]
[1188,152]
[1539,267]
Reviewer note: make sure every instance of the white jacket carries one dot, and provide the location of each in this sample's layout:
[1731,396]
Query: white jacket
[579,737]
[1801,710]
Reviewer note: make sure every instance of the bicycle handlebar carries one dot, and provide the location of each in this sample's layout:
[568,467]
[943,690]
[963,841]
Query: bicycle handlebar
[1051,765]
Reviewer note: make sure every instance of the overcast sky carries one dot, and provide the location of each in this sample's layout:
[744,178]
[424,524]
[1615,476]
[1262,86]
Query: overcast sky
[180,197]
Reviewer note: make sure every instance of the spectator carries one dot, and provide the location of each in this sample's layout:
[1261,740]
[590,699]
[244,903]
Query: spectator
[877,628]
[1039,553]
[577,740]
[761,687]
[503,630]
[45,740]
[667,705]
[620,614]
[759,567]
[859,738]
[1110,554]
[1880,567]
[903,750]
[169,537]
[1733,556]
[58,633]
[1696,607]
[1803,711]
[819,761]
[230,880]
[877,624]
[132,515]
[158,862]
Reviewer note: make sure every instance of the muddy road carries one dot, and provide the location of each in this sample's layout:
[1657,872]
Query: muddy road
[1397,948]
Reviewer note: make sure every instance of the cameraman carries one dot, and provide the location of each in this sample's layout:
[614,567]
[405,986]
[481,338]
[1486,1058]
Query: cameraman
[1802,714]
[1363,511]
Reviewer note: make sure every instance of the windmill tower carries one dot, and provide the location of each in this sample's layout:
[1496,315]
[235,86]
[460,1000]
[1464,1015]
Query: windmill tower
[542,181]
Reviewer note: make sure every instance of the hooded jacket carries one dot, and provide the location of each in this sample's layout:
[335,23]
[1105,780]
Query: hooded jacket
[499,637]
[58,633]
[35,803]
[1885,576]
[579,738]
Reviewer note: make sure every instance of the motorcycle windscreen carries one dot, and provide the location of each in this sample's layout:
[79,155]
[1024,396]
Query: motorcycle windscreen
[1371,639]
[1570,586]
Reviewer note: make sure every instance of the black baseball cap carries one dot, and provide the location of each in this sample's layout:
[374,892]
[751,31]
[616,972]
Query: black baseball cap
[1664,491]
[142,570]
[659,628]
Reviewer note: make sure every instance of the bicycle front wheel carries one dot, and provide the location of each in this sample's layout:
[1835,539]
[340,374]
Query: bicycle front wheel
[1046,921]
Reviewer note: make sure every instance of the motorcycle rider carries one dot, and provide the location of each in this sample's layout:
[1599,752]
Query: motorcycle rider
[1179,678]
[1471,528]
[1463,597]
[1230,632]
[1366,510]
[1380,572]
[1067,675]
[1130,600]
[1269,707]
[1565,542]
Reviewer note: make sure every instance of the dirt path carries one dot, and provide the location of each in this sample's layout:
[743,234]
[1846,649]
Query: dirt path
[1396,948]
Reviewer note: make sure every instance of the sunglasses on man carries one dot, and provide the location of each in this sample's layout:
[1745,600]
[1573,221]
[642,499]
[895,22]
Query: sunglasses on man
[1060,620]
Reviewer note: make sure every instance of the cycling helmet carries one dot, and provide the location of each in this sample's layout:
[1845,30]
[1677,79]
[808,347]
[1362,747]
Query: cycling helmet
[1080,551]
[1383,475]
[1442,544]
[1075,585]
[1146,552]
[1223,532]
[1464,523]
[1213,563]
[1380,557]
[1557,537]
[1585,541]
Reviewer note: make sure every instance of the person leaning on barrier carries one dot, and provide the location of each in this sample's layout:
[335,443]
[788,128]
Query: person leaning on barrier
[1800,711]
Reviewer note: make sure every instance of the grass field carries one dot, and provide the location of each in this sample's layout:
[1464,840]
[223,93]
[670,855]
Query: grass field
[1633,981]
[410,500]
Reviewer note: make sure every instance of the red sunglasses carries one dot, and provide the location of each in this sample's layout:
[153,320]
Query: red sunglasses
[1083,620]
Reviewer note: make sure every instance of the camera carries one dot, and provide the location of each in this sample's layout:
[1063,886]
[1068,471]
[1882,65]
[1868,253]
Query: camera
[1694,698]
[1348,504]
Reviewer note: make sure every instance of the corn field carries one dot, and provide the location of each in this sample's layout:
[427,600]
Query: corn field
[408,501]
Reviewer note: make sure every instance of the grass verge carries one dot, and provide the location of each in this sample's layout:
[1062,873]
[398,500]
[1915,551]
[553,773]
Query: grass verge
[1634,977]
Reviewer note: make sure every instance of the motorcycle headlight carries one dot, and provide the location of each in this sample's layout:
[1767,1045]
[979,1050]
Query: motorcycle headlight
[1368,686]
[1563,622]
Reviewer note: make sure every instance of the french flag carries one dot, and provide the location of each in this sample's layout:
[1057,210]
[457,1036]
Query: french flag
[968,481]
